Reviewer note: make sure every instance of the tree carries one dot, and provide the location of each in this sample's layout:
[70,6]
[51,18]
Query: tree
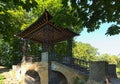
[111,59]
[13,19]
[16,15]
[92,13]
[5,53]
[84,51]
[25,4]
[103,57]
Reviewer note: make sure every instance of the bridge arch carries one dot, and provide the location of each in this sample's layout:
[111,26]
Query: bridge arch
[69,73]
[57,77]
[32,77]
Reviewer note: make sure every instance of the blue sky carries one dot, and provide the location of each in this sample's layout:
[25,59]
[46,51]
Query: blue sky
[98,39]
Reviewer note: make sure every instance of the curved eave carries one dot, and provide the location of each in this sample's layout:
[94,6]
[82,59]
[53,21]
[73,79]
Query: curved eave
[44,30]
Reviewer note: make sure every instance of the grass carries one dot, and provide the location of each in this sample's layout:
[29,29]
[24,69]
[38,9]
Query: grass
[118,72]
[2,79]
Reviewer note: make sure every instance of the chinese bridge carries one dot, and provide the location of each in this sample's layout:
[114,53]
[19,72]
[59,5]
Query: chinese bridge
[49,70]
[47,33]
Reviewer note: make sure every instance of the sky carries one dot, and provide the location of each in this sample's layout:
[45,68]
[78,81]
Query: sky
[98,39]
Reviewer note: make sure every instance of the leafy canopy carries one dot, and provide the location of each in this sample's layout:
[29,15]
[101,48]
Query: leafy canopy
[16,15]
[92,13]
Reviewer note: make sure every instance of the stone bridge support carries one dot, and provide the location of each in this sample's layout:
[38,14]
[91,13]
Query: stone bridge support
[70,74]
[27,68]
[40,67]
[98,72]
[112,71]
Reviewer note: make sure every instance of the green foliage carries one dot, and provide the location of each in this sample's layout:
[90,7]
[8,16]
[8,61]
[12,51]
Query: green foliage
[34,49]
[103,57]
[118,72]
[25,4]
[9,53]
[16,15]
[84,51]
[62,16]
[13,19]
[92,13]
[5,59]
[68,20]
[61,50]
[112,30]
[111,59]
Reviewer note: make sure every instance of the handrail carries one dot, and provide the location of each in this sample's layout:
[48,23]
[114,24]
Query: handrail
[75,63]
[82,63]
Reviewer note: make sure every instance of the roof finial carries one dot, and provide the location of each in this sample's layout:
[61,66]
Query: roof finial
[45,10]
[46,14]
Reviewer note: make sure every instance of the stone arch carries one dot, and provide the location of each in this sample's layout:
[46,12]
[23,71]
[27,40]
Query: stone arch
[32,77]
[57,77]
[69,73]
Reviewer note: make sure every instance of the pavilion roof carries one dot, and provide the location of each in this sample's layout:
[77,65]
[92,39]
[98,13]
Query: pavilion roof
[44,30]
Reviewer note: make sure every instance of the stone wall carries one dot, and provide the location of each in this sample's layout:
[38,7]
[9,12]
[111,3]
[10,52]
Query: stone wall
[98,73]
[112,71]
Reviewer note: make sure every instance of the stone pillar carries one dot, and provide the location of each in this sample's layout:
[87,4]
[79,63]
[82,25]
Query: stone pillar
[112,71]
[45,68]
[44,56]
[98,72]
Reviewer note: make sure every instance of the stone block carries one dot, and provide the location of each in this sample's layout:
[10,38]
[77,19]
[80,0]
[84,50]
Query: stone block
[44,56]
[112,71]
[98,71]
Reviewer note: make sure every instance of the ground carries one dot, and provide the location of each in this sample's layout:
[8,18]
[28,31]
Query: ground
[6,73]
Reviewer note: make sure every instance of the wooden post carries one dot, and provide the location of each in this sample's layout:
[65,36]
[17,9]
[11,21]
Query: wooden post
[69,47]
[69,50]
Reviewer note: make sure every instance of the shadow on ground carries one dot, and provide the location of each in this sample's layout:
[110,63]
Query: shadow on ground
[3,69]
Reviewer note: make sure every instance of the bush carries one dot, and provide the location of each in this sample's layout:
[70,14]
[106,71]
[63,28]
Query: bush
[118,72]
